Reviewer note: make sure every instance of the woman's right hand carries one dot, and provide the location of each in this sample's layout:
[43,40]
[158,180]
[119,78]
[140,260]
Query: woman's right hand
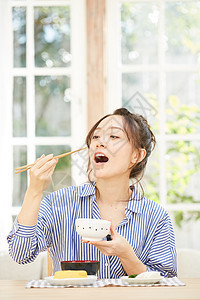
[40,177]
[41,173]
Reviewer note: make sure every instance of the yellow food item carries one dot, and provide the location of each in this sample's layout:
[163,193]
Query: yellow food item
[70,274]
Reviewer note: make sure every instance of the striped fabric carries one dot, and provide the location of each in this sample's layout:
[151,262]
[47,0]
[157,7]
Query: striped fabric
[147,227]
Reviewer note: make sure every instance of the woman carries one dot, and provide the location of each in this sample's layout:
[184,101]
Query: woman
[142,237]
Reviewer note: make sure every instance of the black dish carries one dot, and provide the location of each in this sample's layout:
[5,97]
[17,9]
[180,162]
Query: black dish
[91,267]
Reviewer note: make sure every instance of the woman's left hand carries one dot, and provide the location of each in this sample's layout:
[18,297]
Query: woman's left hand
[116,247]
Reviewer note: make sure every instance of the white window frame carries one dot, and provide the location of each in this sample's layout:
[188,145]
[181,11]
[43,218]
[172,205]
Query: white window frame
[114,87]
[77,71]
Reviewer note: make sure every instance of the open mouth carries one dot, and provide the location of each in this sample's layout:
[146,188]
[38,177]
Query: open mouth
[100,158]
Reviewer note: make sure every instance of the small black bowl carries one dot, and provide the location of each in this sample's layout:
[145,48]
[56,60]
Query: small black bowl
[91,267]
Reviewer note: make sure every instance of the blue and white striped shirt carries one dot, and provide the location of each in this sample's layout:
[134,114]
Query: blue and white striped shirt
[146,226]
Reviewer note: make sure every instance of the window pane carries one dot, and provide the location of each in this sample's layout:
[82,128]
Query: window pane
[182,167]
[182,32]
[150,181]
[62,174]
[139,33]
[187,228]
[52,37]
[183,104]
[19,36]
[140,94]
[19,180]
[19,107]
[53,107]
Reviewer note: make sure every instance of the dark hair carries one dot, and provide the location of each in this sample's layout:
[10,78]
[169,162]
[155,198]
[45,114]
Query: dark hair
[139,134]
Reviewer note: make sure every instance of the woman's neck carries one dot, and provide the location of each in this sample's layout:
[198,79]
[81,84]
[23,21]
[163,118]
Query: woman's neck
[112,191]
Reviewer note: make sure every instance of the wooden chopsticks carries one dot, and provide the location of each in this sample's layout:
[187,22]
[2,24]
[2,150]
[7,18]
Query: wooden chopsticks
[27,167]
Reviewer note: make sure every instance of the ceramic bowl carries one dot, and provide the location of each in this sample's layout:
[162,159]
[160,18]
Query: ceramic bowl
[91,267]
[92,229]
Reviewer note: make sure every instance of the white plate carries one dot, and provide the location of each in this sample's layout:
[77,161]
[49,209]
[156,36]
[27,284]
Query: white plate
[90,279]
[143,278]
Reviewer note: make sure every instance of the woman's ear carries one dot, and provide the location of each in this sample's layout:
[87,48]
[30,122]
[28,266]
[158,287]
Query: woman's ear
[142,154]
[138,156]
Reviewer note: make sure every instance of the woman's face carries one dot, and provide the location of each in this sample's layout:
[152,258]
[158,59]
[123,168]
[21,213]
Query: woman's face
[111,153]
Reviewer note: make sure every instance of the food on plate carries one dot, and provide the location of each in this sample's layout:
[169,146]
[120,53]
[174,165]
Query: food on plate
[70,274]
[149,275]
[132,276]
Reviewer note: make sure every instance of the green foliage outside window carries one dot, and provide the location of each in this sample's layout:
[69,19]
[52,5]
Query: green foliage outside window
[183,153]
[182,160]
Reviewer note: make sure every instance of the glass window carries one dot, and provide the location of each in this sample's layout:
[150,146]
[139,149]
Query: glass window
[182,171]
[52,106]
[139,31]
[183,104]
[42,96]
[19,180]
[19,107]
[140,94]
[182,25]
[150,181]
[19,36]
[52,37]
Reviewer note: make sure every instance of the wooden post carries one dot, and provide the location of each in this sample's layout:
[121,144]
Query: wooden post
[96,73]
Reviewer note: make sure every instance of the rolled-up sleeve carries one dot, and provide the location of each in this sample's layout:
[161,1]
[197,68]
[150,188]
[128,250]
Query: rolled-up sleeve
[162,254]
[25,242]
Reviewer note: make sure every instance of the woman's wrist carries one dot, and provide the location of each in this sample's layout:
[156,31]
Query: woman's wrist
[130,261]
[126,251]
[30,207]
[33,192]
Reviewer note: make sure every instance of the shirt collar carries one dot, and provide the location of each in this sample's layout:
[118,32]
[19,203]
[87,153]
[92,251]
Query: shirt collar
[135,203]
[87,189]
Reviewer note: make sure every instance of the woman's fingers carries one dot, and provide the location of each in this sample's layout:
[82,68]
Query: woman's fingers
[84,241]
[51,170]
[112,229]
[114,247]
[39,158]
[42,160]
[44,168]
[48,165]
[41,172]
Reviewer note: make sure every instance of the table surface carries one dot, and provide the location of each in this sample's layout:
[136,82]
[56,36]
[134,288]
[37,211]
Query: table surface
[15,289]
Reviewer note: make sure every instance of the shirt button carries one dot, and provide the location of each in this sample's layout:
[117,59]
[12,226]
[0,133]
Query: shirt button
[106,264]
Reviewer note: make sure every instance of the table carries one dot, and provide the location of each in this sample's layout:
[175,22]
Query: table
[15,290]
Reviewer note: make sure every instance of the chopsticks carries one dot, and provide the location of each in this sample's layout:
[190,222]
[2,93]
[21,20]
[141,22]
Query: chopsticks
[27,167]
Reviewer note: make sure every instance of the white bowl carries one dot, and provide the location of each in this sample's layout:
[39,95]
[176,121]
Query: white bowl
[92,229]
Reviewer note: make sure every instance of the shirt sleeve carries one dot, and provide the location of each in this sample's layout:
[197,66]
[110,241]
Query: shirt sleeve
[162,254]
[25,242]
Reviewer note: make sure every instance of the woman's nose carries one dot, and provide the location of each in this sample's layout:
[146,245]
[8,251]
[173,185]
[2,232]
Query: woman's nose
[100,143]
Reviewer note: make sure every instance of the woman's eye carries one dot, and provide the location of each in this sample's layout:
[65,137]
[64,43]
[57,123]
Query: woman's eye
[95,137]
[114,137]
